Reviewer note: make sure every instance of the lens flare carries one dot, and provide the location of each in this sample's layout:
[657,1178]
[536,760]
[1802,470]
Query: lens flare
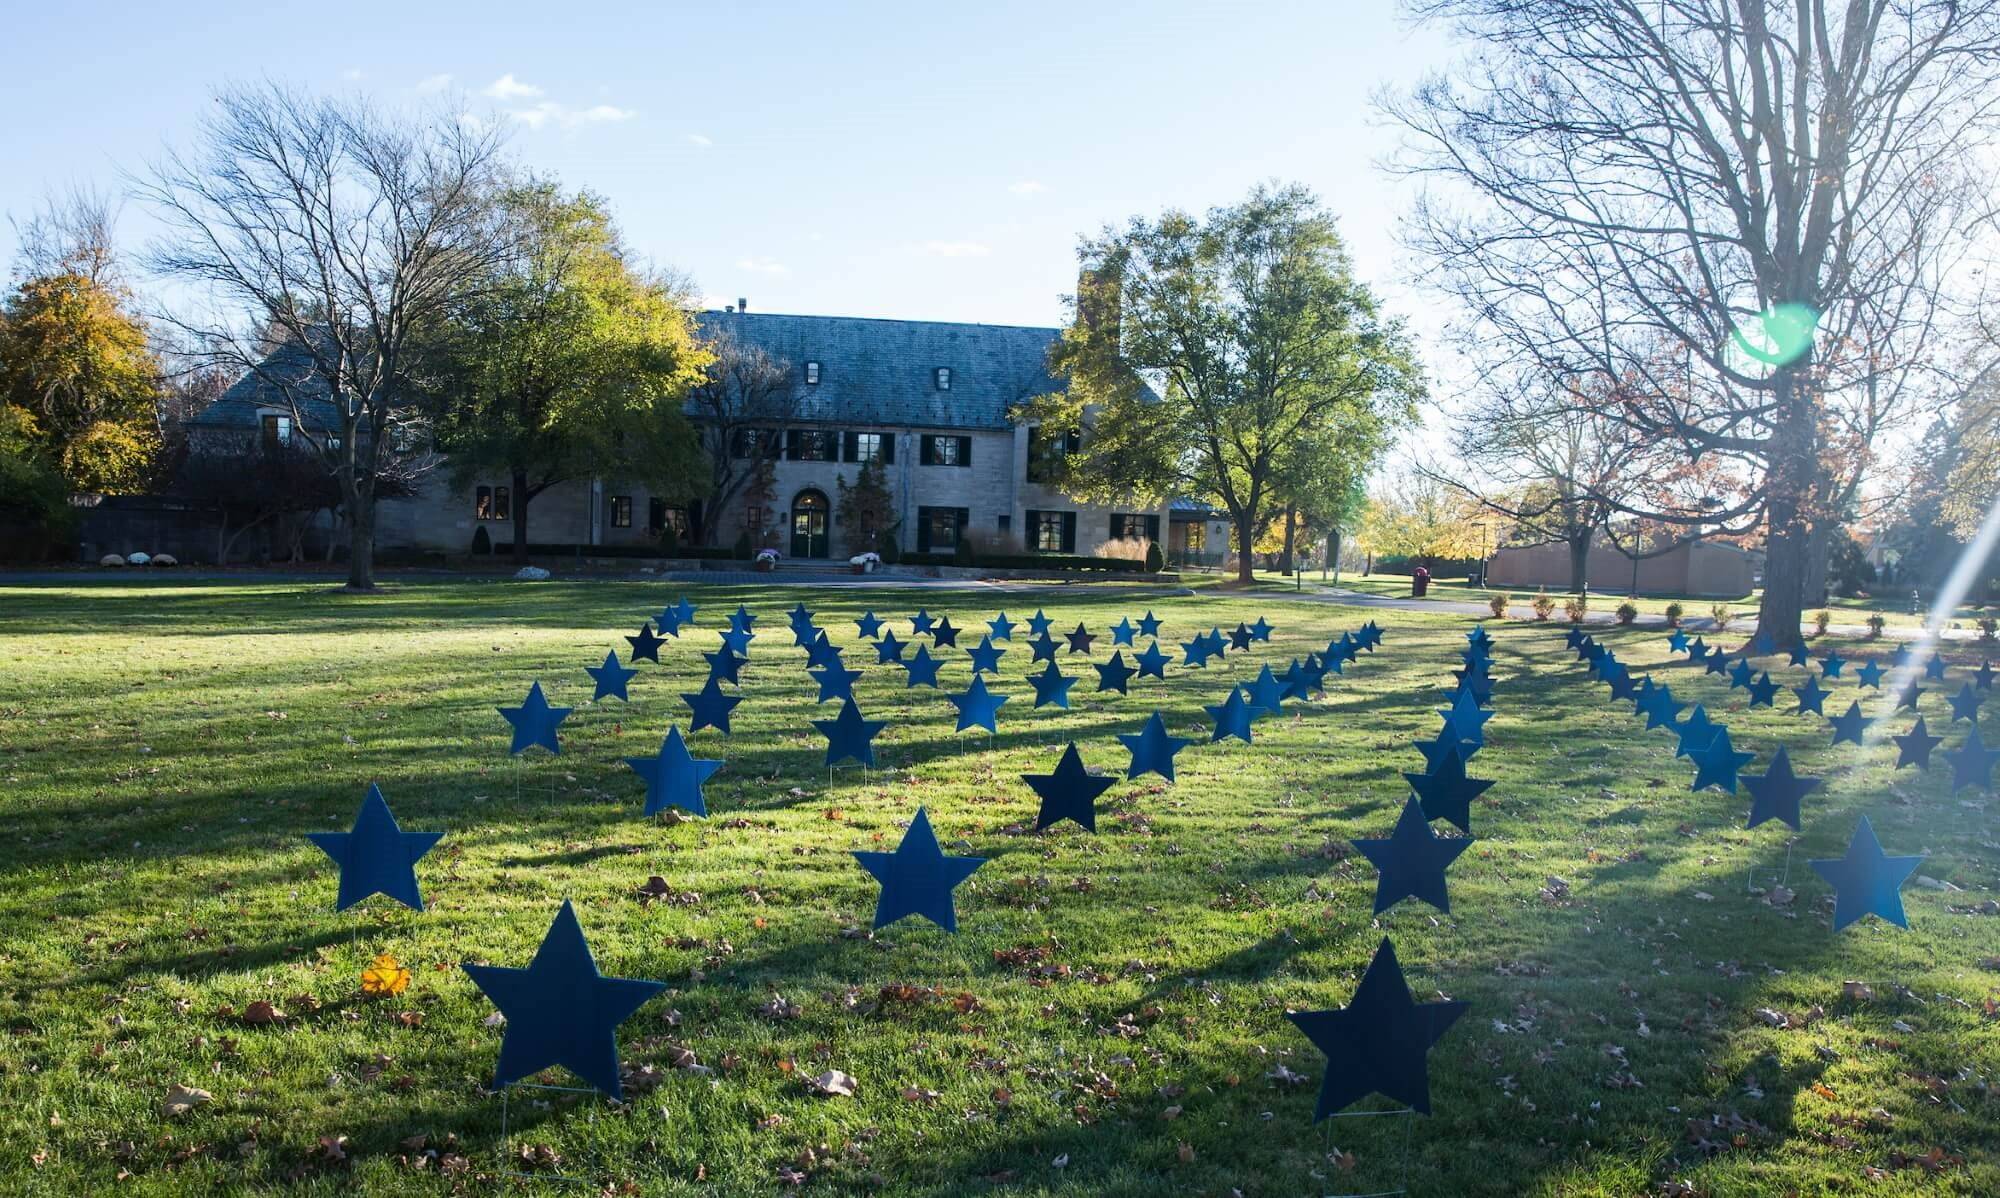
[1956,585]
[1777,336]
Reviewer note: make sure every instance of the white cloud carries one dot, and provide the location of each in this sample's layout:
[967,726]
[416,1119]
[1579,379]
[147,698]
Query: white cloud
[956,249]
[699,142]
[762,265]
[506,87]
[1027,187]
[605,112]
[430,85]
[550,113]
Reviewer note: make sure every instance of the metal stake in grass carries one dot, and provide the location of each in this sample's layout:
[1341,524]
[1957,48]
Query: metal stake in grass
[1408,1116]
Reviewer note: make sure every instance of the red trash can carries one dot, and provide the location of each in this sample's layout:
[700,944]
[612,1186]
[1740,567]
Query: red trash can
[1420,581]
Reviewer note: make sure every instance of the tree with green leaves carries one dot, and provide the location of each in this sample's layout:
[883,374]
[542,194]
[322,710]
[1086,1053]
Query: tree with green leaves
[564,353]
[1202,350]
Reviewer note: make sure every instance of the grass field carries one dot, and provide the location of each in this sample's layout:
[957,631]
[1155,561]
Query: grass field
[1110,1018]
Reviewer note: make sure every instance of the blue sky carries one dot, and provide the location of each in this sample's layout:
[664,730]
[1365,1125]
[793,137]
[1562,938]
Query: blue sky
[932,161]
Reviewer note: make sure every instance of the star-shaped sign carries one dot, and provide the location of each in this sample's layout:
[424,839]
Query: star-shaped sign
[985,656]
[1114,675]
[1261,630]
[1965,704]
[1446,792]
[1717,764]
[1152,662]
[836,681]
[1042,648]
[799,617]
[1623,685]
[560,1010]
[1079,641]
[1379,1043]
[1972,762]
[668,622]
[1718,663]
[1694,733]
[1000,628]
[1216,642]
[1850,725]
[804,633]
[922,668]
[1411,861]
[710,706]
[1908,696]
[1831,664]
[724,665]
[1122,632]
[1698,651]
[943,635]
[1466,718]
[1914,747]
[683,612]
[888,649]
[1934,667]
[1149,625]
[1775,793]
[870,624]
[1152,749]
[1662,710]
[737,641]
[674,776]
[646,646]
[1446,741]
[1678,642]
[1296,680]
[742,617]
[921,623]
[1069,793]
[1763,691]
[1575,638]
[1195,653]
[850,737]
[1870,674]
[917,879]
[977,707]
[610,678]
[1984,678]
[1796,655]
[376,856]
[535,722]
[1740,674]
[1811,697]
[1038,624]
[1240,637]
[1052,687]
[822,652]
[1266,694]
[1231,716]
[1866,881]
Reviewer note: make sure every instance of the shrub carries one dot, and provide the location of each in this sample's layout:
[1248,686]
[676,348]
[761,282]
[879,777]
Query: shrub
[741,549]
[1156,558]
[890,548]
[670,541]
[1675,611]
[1575,608]
[1821,619]
[482,544]
[1628,611]
[1876,622]
[1130,549]
[1989,629]
[1721,614]
[962,553]
[1544,606]
[1498,602]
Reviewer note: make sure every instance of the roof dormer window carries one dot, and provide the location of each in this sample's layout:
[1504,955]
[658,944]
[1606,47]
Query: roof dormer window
[812,374]
[942,376]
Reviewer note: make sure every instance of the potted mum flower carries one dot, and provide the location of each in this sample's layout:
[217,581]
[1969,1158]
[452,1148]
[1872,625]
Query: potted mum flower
[865,563]
[766,560]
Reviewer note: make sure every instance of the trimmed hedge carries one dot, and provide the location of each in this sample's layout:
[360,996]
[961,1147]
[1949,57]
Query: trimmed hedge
[1031,561]
[689,552]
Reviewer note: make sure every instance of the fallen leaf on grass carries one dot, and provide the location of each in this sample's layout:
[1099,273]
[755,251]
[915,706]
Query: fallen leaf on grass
[182,1099]
[832,1083]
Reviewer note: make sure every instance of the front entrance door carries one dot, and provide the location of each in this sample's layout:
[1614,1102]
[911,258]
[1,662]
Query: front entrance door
[809,524]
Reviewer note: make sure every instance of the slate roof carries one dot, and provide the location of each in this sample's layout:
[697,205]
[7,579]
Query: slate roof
[881,371]
[238,407]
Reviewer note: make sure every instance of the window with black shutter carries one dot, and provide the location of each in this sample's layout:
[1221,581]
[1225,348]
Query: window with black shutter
[867,447]
[1052,532]
[938,450]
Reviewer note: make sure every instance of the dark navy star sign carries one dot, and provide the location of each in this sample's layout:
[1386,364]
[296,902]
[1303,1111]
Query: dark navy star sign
[610,678]
[1866,881]
[917,879]
[1070,793]
[1412,860]
[674,776]
[535,722]
[376,856]
[1379,1042]
[1776,793]
[1152,749]
[849,737]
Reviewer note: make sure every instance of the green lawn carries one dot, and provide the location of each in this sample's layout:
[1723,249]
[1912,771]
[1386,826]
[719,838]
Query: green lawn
[1110,1018]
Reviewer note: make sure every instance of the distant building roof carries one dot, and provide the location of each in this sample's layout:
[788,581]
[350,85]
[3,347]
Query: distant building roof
[241,406]
[884,371]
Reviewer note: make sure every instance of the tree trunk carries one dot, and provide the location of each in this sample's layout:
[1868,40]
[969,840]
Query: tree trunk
[360,541]
[1579,563]
[520,517]
[1332,555]
[1286,564]
[1246,541]
[1819,559]
[1788,485]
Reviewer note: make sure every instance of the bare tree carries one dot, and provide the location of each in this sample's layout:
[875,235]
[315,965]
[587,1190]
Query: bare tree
[345,238]
[740,408]
[70,234]
[1655,186]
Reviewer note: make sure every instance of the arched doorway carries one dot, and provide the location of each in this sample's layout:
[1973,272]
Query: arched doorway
[809,524]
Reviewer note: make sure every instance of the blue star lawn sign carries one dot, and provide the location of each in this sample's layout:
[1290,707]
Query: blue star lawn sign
[1079,641]
[1717,764]
[1152,749]
[1152,663]
[535,722]
[737,641]
[1965,704]
[1195,653]
[610,678]
[1866,881]
[1698,650]
[1446,792]
[1379,1043]
[1266,694]
[1718,663]
[1114,675]
[1149,625]
[822,652]
[917,879]
[888,649]
[645,646]
[1984,678]
[1694,733]
[1934,667]
[1740,674]
[1411,861]
[1000,628]
[674,776]
[943,635]
[743,618]
[1831,664]
[1850,726]
[1870,674]
[799,617]
[1678,642]
[1446,741]
[1122,632]
[1052,687]
[1908,696]
[1811,697]
[1662,709]
[1972,762]
[1240,637]
[922,668]
[1231,716]
[870,624]
[1216,642]
[1796,655]
[1575,638]
[710,706]
[376,856]
[1297,680]
[921,623]
[560,1010]
[683,612]
[1038,624]
[985,656]
[977,707]
[1775,794]
[1763,691]
[668,621]
[725,666]
[1465,716]
[1261,630]
[1042,648]
[1070,793]
[849,737]
[1914,747]
[836,681]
